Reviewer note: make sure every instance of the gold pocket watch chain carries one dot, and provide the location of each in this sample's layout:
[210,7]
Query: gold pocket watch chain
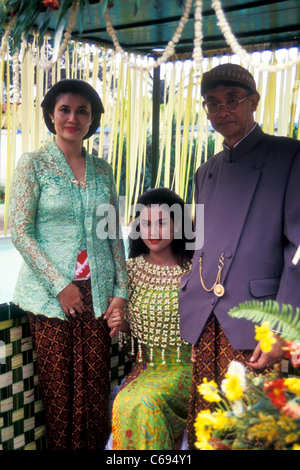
[217,287]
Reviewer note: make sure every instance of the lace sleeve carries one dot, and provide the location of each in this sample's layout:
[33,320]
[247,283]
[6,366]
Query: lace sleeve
[117,246]
[23,206]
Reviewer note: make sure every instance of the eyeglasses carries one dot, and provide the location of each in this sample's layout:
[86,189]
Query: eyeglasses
[230,105]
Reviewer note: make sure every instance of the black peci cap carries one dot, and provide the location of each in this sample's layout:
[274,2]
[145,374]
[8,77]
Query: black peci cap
[228,74]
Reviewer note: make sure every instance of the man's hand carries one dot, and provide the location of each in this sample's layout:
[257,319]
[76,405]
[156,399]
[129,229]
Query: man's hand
[261,360]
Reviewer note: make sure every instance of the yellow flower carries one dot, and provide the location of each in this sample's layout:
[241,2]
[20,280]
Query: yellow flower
[233,384]
[265,429]
[287,423]
[289,438]
[293,384]
[222,420]
[204,446]
[296,447]
[209,391]
[204,426]
[265,336]
[204,420]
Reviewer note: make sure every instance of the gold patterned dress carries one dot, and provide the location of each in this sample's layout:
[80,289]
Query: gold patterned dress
[150,410]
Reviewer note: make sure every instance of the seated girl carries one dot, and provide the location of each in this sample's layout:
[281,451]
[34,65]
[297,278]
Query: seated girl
[150,410]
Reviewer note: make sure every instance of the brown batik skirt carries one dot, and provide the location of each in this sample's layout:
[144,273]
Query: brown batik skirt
[73,370]
[212,356]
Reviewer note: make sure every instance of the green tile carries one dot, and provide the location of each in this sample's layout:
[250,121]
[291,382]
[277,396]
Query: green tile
[22,420]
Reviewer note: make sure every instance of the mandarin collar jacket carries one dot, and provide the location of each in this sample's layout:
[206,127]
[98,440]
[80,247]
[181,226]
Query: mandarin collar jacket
[251,200]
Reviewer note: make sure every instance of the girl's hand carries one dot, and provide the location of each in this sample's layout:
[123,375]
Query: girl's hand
[115,315]
[115,321]
[114,302]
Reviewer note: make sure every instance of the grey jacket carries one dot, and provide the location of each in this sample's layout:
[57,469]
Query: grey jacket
[251,198]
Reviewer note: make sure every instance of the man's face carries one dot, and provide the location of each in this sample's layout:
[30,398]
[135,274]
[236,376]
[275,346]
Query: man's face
[233,125]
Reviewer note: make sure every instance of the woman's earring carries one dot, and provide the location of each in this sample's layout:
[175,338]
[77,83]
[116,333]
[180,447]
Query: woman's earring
[52,120]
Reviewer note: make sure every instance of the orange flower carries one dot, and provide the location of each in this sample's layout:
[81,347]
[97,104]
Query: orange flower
[270,385]
[52,4]
[276,392]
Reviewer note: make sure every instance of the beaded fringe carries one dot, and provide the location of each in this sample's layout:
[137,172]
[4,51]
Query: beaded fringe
[123,343]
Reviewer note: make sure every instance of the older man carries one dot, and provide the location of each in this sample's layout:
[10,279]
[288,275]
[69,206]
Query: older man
[251,197]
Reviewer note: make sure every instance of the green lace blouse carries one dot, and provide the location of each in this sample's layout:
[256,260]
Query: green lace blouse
[50,223]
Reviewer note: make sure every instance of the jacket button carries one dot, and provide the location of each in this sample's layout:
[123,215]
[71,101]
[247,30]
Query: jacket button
[228,254]
[258,165]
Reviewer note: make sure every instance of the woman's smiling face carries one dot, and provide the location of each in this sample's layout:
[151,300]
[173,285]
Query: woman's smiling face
[72,116]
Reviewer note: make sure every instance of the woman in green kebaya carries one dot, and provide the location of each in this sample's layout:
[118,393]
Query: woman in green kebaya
[69,272]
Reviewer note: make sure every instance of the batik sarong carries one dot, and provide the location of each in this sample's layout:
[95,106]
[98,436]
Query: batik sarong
[73,370]
[150,411]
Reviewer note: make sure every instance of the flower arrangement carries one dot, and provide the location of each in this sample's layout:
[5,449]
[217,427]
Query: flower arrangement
[22,17]
[25,16]
[255,412]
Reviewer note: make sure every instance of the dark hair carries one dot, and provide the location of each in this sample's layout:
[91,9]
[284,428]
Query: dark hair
[77,87]
[161,196]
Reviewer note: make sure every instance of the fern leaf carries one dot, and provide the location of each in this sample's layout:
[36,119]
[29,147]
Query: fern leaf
[283,319]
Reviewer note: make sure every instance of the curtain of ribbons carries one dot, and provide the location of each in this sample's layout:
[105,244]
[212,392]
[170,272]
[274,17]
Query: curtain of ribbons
[186,139]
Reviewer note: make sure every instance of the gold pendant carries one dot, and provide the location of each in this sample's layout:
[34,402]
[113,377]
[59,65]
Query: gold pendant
[82,184]
[219,290]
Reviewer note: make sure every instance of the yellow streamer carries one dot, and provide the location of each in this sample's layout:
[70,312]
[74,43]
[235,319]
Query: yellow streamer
[128,114]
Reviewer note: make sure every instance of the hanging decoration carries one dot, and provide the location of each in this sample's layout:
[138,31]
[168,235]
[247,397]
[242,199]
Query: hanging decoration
[198,38]
[22,17]
[127,100]
[197,53]
[47,64]
[168,52]
[4,42]
[239,50]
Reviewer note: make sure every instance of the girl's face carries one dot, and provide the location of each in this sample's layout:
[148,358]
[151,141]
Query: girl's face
[72,116]
[156,227]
